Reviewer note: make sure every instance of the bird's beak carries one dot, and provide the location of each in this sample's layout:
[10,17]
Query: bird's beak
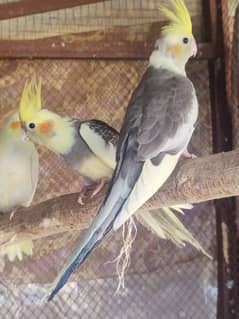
[194,49]
[24,133]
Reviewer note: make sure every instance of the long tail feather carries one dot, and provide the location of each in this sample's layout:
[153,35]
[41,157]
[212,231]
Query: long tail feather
[102,224]
[165,224]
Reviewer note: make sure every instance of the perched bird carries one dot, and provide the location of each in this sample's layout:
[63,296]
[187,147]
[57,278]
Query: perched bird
[19,171]
[87,146]
[157,128]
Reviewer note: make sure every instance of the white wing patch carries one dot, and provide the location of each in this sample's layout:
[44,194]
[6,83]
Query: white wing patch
[105,152]
[149,182]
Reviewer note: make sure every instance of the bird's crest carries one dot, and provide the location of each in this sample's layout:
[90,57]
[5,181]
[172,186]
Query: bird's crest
[30,102]
[179,18]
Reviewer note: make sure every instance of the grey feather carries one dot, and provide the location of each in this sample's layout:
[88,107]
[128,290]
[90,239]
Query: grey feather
[158,117]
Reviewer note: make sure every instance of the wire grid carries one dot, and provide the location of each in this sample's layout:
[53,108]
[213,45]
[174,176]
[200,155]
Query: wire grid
[230,11]
[231,40]
[92,17]
[162,281]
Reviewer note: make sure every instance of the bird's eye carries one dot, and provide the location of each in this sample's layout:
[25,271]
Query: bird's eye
[185,40]
[31,126]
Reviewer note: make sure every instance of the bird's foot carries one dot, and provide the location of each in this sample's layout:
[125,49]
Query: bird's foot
[99,186]
[83,193]
[94,189]
[187,155]
[13,212]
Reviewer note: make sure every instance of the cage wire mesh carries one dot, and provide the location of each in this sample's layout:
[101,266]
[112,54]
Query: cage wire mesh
[162,281]
[230,11]
[176,282]
[93,17]
[231,40]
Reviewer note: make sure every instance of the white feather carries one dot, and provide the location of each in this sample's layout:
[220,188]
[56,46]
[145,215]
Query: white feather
[150,180]
[105,151]
[18,180]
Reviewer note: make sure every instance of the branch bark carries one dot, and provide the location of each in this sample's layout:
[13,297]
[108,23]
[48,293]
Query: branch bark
[193,181]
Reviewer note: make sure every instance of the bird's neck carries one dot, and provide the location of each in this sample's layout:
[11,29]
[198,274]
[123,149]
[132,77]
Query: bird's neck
[158,60]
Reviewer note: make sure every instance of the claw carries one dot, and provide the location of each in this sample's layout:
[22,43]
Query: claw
[93,188]
[187,155]
[13,212]
[99,187]
[80,200]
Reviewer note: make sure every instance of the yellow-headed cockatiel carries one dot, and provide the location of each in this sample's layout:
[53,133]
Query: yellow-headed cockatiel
[157,128]
[87,146]
[19,171]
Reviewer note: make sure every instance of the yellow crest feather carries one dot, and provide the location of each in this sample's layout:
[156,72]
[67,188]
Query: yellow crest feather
[30,102]
[179,18]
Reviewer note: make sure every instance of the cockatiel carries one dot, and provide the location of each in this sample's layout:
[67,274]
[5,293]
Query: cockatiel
[157,128]
[94,139]
[19,171]
[87,146]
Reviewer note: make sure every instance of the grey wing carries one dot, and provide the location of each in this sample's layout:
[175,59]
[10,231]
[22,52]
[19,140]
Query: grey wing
[162,131]
[166,109]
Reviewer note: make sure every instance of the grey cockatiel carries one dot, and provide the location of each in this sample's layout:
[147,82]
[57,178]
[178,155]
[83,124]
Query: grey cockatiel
[157,128]
[19,171]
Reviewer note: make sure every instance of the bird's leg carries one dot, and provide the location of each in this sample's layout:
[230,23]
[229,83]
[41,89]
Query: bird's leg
[187,155]
[99,186]
[13,212]
[83,191]
[93,188]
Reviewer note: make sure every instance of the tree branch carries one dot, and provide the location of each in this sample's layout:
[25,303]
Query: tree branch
[193,181]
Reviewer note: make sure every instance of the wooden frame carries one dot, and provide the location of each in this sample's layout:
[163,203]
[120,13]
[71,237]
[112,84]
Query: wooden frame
[111,43]
[64,47]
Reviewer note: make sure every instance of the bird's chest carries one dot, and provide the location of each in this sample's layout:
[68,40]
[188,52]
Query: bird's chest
[93,168]
[193,113]
[15,183]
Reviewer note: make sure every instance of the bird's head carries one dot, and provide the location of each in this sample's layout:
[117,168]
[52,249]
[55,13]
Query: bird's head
[41,125]
[177,43]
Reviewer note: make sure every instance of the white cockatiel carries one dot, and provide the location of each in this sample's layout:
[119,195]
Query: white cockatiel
[19,170]
[157,128]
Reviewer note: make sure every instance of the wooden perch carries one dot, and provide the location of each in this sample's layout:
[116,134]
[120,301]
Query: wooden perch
[193,181]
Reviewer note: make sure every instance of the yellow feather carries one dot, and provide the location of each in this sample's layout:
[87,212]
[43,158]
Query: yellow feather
[179,18]
[16,250]
[30,102]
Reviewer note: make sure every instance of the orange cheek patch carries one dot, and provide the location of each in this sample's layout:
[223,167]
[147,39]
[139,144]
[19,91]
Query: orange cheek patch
[15,125]
[46,127]
[176,49]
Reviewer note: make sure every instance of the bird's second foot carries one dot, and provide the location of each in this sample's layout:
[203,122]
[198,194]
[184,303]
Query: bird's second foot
[99,186]
[91,190]
[13,212]
[187,155]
